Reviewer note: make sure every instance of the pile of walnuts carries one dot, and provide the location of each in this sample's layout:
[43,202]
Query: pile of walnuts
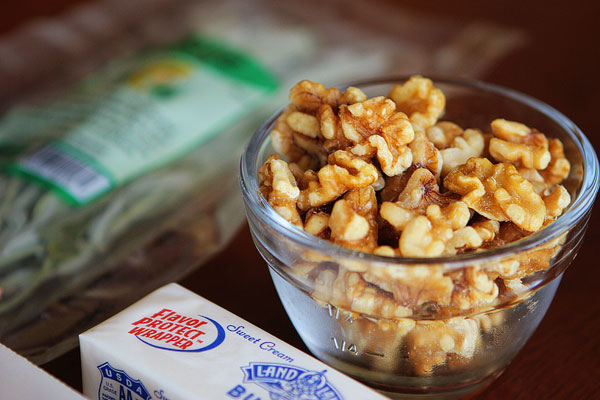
[383,175]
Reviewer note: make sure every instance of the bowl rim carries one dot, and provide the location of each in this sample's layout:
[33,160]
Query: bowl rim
[577,209]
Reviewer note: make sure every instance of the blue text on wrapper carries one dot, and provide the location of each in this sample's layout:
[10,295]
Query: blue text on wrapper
[116,384]
[286,382]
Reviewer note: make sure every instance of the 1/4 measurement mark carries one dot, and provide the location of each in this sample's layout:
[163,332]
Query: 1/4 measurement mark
[342,346]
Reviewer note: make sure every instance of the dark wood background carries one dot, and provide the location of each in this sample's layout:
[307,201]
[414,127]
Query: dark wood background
[559,65]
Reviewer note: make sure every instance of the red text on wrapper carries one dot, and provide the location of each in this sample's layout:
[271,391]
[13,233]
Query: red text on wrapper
[167,328]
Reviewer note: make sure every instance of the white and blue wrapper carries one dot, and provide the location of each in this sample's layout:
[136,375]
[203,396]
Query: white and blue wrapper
[174,344]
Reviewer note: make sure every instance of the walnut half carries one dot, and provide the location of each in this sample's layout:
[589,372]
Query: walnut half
[498,192]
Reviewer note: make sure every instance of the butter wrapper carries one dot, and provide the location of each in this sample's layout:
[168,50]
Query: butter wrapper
[174,344]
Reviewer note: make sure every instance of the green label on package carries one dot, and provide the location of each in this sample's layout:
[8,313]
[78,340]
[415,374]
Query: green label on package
[169,104]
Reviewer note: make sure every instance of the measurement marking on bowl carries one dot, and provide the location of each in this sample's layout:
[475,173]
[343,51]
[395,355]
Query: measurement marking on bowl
[335,313]
[331,311]
[341,346]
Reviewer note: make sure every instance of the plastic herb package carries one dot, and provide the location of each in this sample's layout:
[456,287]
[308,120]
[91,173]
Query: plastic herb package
[119,153]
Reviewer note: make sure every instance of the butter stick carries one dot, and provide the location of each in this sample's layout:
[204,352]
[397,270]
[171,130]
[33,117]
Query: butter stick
[174,344]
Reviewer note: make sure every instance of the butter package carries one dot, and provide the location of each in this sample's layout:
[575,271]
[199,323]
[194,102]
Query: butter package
[174,344]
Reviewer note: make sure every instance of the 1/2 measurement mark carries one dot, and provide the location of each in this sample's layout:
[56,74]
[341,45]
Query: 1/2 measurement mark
[334,312]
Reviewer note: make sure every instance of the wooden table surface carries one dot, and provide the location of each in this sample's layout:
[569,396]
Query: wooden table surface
[558,65]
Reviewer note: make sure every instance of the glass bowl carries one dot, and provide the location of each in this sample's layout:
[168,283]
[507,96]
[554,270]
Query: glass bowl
[345,304]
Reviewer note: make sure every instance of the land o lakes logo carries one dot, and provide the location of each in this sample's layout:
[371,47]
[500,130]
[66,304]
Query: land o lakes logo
[116,384]
[285,382]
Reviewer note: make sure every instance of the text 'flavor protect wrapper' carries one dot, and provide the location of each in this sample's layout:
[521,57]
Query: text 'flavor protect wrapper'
[174,344]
